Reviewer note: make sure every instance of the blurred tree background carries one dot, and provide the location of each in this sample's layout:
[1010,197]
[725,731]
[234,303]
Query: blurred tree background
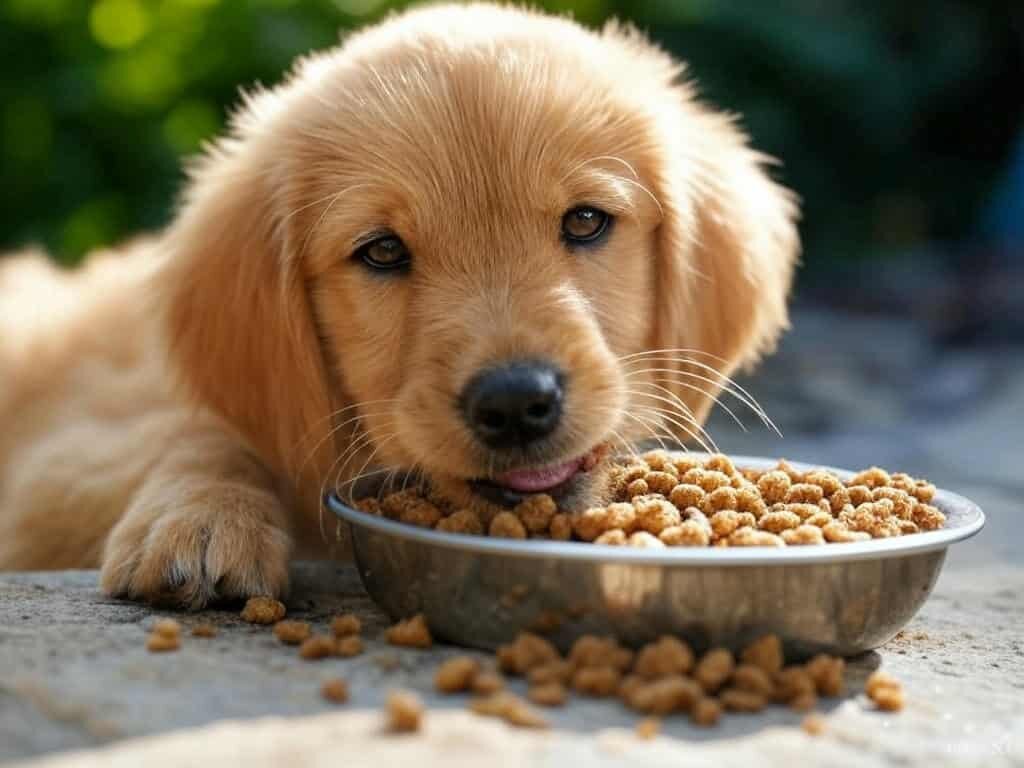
[897,121]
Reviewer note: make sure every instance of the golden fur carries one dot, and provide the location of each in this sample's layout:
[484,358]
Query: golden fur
[171,413]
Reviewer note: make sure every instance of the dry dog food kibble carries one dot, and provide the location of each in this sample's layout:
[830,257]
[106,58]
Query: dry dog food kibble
[263,610]
[456,674]
[346,624]
[317,647]
[885,690]
[204,630]
[412,633]
[706,711]
[813,725]
[404,711]
[487,683]
[662,500]
[661,679]
[648,728]
[348,646]
[164,636]
[335,690]
[548,694]
[715,667]
[291,632]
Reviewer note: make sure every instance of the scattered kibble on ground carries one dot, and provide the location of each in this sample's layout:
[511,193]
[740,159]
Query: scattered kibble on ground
[317,647]
[662,678]
[346,624]
[335,690]
[885,690]
[404,711]
[292,632]
[263,610]
[648,728]
[412,633]
[348,646]
[165,635]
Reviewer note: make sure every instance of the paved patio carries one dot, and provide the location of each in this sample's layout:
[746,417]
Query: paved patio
[74,674]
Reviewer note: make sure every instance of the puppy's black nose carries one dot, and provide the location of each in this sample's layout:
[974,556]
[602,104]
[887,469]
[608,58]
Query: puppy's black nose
[514,404]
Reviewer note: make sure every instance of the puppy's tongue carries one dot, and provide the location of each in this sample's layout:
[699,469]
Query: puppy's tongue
[536,480]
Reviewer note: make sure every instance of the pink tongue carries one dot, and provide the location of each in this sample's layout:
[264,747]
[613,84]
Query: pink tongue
[535,480]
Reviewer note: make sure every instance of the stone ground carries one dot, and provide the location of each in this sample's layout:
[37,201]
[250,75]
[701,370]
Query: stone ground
[846,391]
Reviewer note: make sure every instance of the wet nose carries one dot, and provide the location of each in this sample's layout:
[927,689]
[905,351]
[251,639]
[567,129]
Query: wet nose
[514,404]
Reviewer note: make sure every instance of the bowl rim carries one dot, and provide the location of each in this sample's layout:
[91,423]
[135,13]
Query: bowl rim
[966,516]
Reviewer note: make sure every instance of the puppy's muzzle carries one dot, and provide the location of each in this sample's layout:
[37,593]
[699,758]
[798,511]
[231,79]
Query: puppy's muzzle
[515,404]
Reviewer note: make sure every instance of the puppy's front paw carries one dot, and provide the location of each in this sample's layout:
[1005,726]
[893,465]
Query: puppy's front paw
[224,541]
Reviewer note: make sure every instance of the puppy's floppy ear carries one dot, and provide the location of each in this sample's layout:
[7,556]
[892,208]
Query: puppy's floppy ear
[240,326]
[727,246]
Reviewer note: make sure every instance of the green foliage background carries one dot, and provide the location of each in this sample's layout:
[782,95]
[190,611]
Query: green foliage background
[894,118]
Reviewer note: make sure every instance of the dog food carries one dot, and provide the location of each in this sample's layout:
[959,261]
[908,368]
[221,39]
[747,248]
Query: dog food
[551,694]
[404,711]
[456,674]
[648,728]
[660,679]
[346,624]
[487,683]
[412,633]
[291,632]
[348,646]
[813,725]
[661,499]
[317,647]
[263,610]
[885,690]
[335,690]
[164,636]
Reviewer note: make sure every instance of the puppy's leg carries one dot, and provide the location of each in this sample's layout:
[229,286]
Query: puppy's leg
[206,524]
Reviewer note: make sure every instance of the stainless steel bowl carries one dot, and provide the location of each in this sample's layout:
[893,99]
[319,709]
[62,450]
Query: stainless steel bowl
[479,592]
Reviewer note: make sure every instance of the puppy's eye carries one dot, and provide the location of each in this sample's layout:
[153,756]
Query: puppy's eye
[584,225]
[385,253]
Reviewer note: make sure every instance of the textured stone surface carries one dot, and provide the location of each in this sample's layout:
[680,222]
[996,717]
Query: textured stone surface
[74,673]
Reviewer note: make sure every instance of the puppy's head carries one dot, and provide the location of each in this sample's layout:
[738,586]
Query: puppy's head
[478,243]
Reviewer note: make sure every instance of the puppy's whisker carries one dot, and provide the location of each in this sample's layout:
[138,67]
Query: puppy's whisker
[357,445]
[323,215]
[724,383]
[351,482]
[705,392]
[673,356]
[662,415]
[646,191]
[701,436]
[684,409]
[672,350]
[359,440]
[625,444]
[717,400]
[646,423]
[580,166]
[616,434]
[334,430]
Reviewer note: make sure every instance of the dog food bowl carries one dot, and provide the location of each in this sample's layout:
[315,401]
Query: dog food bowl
[478,591]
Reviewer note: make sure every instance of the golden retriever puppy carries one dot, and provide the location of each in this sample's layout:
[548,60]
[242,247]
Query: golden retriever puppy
[472,242]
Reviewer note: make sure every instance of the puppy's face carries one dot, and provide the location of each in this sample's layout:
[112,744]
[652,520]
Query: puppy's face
[479,289]
[487,218]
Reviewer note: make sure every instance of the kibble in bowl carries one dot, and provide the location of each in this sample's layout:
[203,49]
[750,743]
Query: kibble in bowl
[831,561]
